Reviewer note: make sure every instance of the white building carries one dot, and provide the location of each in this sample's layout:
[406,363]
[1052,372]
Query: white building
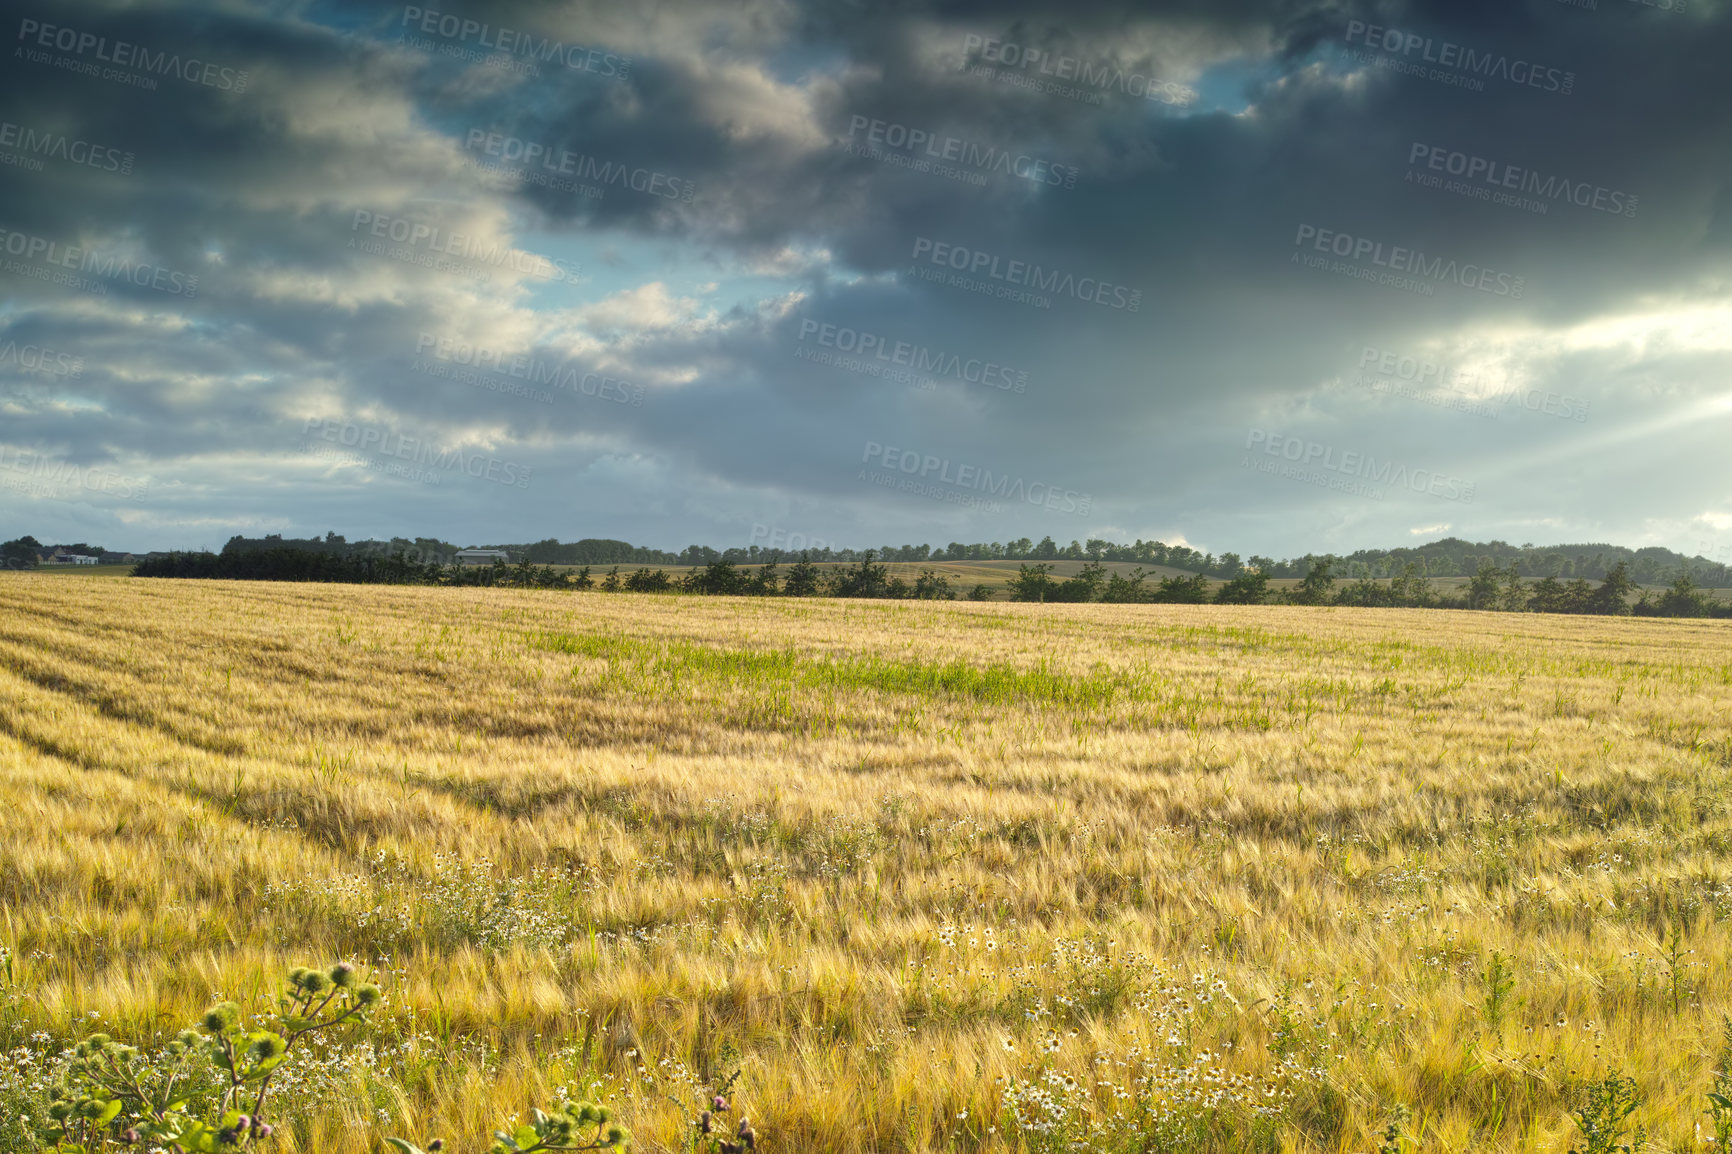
[482,556]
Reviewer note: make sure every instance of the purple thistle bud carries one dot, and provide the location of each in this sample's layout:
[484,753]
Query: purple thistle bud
[704,1122]
[720,1103]
[129,1136]
[436,1145]
[244,1122]
[263,1129]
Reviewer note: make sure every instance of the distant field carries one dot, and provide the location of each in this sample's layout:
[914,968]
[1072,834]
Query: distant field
[939,876]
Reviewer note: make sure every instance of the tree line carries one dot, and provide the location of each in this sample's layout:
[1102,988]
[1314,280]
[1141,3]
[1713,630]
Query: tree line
[1449,557]
[1490,587]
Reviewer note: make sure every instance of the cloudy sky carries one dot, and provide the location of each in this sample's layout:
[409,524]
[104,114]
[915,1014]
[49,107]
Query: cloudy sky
[1271,276]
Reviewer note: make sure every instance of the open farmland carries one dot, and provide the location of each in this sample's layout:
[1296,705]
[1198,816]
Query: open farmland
[937,876]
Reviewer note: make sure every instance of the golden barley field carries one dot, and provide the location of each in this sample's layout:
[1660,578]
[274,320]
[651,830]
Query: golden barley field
[934,876]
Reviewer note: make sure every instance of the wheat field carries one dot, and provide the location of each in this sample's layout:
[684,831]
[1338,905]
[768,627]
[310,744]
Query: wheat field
[934,876]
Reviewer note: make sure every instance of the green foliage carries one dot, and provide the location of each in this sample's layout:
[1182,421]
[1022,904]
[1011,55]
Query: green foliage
[648,581]
[1720,1097]
[1394,1129]
[1499,979]
[932,586]
[802,578]
[21,553]
[1192,590]
[865,579]
[112,1094]
[1250,587]
[571,1126]
[1318,583]
[1602,1115]
[1032,582]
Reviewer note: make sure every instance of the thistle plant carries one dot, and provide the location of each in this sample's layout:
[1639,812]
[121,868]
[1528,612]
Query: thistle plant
[709,1131]
[113,1095]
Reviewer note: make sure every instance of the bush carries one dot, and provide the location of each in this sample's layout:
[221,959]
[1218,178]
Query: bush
[112,1092]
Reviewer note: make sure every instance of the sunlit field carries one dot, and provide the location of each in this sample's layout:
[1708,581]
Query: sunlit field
[934,876]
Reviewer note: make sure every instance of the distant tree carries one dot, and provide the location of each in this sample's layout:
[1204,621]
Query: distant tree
[649,581]
[719,577]
[1085,586]
[1368,593]
[865,578]
[1548,596]
[1122,590]
[1683,599]
[1192,590]
[1515,596]
[1045,551]
[582,579]
[802,578]
[1578,596]
[20,553]
[763,582]
[981,592]
[1317,584]
[1483,591]
[611,583]
[933,586]
[1250,587]
[1032,582]
[1410,587]
[1613,595]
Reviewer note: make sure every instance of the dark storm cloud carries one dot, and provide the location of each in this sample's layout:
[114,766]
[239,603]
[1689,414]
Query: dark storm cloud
[395,184]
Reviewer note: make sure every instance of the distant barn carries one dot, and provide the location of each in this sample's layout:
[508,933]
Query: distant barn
[482,556]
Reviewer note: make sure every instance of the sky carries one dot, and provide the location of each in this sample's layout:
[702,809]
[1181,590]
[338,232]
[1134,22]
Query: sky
[1270,277]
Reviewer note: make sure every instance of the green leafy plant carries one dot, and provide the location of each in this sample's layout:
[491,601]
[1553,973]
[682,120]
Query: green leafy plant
[1394,1129]
[1720,1097]
[1499,979]
[572,1126]
[113,1095]
[1602,1115]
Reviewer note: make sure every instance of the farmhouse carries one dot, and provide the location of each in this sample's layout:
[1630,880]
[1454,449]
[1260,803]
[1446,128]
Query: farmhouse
[482,556]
